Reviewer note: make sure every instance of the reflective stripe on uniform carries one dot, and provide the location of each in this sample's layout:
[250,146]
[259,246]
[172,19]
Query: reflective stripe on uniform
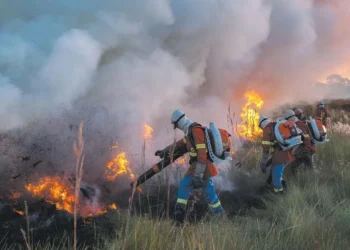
[276,190]
[217,204]
[193,154]
[184,139]
[182,201]
[200,146]
[267,143]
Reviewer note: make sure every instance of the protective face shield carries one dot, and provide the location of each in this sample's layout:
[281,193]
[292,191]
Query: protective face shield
[299,114]
[263,121]
[180,121]
[289,115]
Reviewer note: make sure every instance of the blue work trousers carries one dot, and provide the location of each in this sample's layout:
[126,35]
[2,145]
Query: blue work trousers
[277,177]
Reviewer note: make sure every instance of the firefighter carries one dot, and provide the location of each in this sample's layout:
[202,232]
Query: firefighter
[279,158]
[300,114]
[201,169]
[322,113]
[304,153]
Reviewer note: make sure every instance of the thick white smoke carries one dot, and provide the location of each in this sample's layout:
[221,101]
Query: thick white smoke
[140,60]
[136,61]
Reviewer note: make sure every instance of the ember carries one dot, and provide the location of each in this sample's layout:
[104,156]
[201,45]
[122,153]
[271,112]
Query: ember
[15,195]
[249,128]
[18,211]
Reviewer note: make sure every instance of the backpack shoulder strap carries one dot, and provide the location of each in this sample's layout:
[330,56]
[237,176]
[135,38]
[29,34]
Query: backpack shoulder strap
[190,134]
[273,134]
[273,127]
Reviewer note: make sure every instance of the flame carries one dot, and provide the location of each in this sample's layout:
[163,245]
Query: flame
[18,211]
[99,211]
[55,191]
[249,128]
[233,152]
[147,132]
[96,211]
[118,166]
[15,195]
[113,206]
[181,161]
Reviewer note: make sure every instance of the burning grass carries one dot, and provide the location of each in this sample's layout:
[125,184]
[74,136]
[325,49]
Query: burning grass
[55,191]
[249,127]
[147,131]
[118,166]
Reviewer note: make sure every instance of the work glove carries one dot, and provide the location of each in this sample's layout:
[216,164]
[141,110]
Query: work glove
[263,166]
[162,153]
[159,153]
[197,180]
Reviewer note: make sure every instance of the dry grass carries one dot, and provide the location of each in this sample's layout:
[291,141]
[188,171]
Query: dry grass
[26,235]
[78,149]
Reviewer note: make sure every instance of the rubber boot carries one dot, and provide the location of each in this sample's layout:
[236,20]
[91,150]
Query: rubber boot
[217,211]
[284,185]
[180,214]
[269,179]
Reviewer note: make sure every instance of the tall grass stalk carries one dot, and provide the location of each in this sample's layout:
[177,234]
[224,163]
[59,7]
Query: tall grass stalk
[26,236]
[131,198]
[167,177]
[78,149]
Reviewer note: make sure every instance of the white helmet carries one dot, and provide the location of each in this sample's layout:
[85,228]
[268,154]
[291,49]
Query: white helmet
[299,114]
[290,115]
[180,121]
[321,104]
[263,121]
